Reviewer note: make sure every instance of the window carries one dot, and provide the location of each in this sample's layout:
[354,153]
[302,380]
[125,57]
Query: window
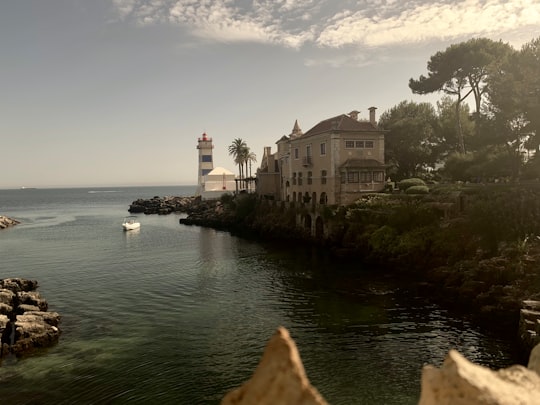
[378,177]
[343,177]
[352,177]
[204,172]
[294,179]
[300,178]
[206,158]
[309,177]
[323,176]
[350,144]
[366,177]
[323,149]
[308,150]
[296,153]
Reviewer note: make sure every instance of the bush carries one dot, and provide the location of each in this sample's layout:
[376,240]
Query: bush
[405,184]
[227,199]
[417,190]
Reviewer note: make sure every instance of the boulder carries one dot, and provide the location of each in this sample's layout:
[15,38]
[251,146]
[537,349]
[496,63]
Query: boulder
[18,284]
[32,298]
[5,309]
[280,378]
[6,296]
[162,205]
[534,359]
[5,222]
[25,323]
[460,382]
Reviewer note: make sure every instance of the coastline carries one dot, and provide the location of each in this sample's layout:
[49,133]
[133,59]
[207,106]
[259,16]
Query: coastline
[493,291]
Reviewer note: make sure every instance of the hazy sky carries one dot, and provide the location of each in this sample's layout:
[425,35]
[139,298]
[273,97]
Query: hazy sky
[116,92]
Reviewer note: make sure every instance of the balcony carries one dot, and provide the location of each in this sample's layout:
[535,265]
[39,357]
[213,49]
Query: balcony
[306,161]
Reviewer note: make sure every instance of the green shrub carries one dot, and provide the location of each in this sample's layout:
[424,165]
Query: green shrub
[405,184]
[245,206]
[417,190]
[227,199]
[384,240]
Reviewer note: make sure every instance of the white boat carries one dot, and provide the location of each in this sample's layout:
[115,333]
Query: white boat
[130,223]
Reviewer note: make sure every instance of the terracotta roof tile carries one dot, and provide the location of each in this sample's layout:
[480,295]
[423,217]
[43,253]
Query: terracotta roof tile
[342,123]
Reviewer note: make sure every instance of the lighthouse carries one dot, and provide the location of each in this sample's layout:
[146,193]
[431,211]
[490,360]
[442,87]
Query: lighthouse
[206,162]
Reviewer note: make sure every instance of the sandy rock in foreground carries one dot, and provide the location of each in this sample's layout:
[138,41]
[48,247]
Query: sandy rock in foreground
[279,378]
[460,382]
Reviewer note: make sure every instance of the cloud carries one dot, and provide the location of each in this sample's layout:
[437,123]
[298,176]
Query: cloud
[337,23]
[262,21]
[399,23]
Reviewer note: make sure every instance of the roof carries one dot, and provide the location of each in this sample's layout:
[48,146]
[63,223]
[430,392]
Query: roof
[342,123]
[362,163]
[219,171]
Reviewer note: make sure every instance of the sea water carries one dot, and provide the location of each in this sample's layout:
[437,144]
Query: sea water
[173,314]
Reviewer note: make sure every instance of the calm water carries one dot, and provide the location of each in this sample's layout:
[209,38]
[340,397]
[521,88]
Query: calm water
[172,314]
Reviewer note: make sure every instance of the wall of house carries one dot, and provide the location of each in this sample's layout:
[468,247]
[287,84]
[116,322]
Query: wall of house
[268,185]
[305,172]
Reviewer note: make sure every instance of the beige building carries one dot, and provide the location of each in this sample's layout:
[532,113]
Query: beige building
[332,163]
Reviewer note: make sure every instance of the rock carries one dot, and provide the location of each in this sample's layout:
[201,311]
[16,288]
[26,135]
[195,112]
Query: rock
[18,284]
[24,312]
[460,382]
[534,359]
[5,222]
[529,324]
[161,206]
[7,296]
[280,378]
[32,298]
[5,309]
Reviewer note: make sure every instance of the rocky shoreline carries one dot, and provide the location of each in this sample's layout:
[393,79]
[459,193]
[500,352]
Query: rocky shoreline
[162,205]
[497,292]
[25,322]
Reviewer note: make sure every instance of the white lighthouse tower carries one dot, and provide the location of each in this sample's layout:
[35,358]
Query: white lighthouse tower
[206,161]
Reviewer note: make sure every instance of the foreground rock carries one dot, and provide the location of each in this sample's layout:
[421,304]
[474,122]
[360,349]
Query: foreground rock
[460,382]
[5,222]
[162,205]
[25,323]
[280,379]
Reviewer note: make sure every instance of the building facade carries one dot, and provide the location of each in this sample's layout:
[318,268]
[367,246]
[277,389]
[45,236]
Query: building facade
[333,163]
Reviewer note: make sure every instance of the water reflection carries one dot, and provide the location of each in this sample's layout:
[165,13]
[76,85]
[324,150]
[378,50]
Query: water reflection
[175,314]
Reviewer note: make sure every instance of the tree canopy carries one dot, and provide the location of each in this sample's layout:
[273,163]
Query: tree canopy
[462,69]
[412,142]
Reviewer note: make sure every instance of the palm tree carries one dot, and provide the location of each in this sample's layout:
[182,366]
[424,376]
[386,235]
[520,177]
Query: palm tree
[236,150]
[251,157]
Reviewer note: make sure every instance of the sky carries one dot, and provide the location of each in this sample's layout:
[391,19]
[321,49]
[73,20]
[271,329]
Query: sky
[110,93]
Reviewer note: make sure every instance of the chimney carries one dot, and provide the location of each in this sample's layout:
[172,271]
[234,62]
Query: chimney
[372,118]
[354,114]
